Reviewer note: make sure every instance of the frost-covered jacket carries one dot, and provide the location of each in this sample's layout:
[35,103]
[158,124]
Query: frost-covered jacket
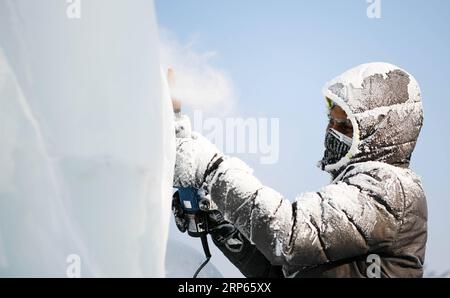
[370,221]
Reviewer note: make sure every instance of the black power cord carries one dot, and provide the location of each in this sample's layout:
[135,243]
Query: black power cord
[205,245]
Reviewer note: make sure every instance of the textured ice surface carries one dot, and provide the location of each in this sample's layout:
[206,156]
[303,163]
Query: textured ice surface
[86,147]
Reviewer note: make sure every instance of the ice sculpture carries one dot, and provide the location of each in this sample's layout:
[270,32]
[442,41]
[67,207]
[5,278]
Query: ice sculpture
[86,140]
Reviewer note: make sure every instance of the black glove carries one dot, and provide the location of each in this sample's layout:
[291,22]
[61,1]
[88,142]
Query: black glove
[178,213]
[218,227]
[224,233]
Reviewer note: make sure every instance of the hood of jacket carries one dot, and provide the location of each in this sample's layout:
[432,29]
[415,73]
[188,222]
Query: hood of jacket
[384,104]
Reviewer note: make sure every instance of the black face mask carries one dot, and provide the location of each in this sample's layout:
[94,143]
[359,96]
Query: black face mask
[337,146]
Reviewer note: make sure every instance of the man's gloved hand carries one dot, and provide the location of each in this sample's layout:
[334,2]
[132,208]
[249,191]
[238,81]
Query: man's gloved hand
[182,126]
[224,233]
[195,155]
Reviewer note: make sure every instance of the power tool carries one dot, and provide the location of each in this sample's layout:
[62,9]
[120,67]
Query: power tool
[195,213]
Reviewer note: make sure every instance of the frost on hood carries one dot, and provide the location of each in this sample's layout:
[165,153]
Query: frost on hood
[384,104]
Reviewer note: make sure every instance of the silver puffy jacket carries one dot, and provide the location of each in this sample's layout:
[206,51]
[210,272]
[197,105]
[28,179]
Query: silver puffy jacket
[370,221]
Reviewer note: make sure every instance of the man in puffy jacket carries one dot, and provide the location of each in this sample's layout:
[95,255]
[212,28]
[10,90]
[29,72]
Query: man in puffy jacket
[373,213]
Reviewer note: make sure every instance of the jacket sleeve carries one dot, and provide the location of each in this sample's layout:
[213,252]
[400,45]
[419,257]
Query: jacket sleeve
[355,216]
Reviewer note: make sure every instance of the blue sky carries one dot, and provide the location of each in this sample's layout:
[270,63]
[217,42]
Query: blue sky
[279,54]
